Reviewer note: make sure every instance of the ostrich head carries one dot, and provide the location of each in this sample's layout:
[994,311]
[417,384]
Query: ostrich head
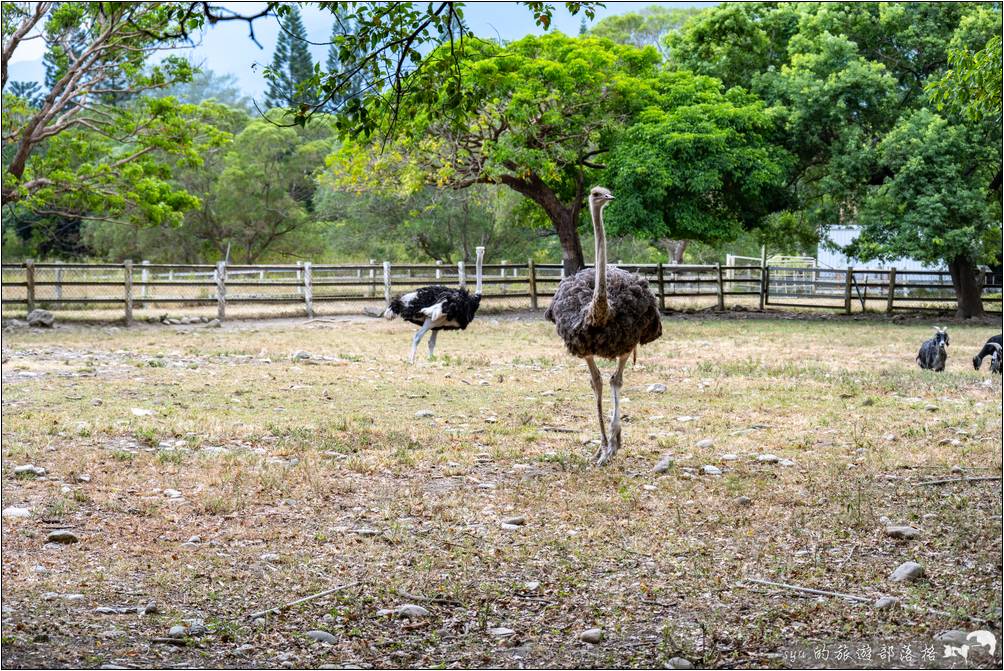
[600,197]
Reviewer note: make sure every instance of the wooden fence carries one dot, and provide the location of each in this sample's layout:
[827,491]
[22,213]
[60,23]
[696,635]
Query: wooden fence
[308,287]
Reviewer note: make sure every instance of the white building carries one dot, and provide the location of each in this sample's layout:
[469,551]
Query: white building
[842,236]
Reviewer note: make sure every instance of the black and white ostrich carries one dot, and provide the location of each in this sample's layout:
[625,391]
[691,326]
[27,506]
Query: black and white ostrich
[606,312]
[934,352]
[437,308]
[993,344]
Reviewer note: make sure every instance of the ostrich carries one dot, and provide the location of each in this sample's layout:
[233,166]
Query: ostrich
[437,308]
[607,313]
[934,352]
[988,350]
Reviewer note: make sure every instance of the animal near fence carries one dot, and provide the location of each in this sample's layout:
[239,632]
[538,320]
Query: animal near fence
[156,291]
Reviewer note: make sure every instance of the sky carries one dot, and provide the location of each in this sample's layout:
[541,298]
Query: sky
[227,49]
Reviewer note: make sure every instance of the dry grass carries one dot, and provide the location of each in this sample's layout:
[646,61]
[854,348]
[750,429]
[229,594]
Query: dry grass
[317,449]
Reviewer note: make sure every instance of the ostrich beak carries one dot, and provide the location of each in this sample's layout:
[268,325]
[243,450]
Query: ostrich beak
[610,196]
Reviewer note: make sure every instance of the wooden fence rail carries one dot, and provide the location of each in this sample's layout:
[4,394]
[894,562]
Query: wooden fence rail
[521,285]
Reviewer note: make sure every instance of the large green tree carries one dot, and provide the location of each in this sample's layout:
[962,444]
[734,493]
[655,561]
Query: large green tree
[845,80]
[646,27]
[292,65]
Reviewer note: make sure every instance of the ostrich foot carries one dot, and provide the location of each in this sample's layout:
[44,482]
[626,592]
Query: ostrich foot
[601,450]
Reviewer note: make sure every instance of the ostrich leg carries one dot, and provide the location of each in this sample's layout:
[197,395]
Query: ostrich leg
[418,338]
[597,384]
[432,342]
[615,421]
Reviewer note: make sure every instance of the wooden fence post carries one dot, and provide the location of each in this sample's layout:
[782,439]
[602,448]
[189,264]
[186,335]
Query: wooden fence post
[662,288]
[848,278]
[721,287]
[439,269]
[386,283]
[145,277]
[531,276]
[59,282]
[891,297]
[29,280]
[221,290]
[127,282]
[461,275]
[372,289]
[308,289]
[764,277]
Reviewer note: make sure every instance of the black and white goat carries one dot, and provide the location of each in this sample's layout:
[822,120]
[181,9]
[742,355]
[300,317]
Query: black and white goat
[995,359]
[437,308]
[934,352]
[992,345]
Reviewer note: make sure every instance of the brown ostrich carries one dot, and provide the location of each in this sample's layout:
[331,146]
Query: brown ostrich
[606,312]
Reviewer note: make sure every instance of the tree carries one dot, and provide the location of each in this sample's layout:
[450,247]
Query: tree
[539,113]
[208,85]
[29,92]
[648,27]
[698,167]
[935,206]
[973,84]
[339,61]
[291,65]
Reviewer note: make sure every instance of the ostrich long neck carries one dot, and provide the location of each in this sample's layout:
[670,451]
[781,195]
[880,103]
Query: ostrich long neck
[600,307]
[477,290]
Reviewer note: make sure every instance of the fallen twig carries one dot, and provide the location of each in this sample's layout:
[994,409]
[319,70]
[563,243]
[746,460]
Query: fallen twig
[557,429]
[984,478]
[311,597]
[808,590]
[429,599]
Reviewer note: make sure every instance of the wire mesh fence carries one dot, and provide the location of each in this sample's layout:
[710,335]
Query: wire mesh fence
[105,291]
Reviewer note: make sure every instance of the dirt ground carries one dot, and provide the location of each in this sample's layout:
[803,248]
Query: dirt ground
[306,456]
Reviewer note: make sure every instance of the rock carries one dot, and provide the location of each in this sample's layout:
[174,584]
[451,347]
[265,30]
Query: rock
[112,633]
[744,501]
[270,557]
[787,463]
[930,407]
[213,324]
[61,536]
[517,520]
[300,355]
[423,413]
[679,663]
[29,469]
[955,637]
[907,572]
[532,586]
[705,443]
[730,457]
[196,628]
[83,477]
[177,631]
[245,649]
[501,632]
[769,458]
[195,539]
[412,612]
[663,465]
[366,531]
[150,609]
[172,493]
[41,319]
[49,596]
[886,602]
[686,418]
[142,412]
[711,470]
[592,636]
[903,532]
[14,512]
[511,527]
[657,388]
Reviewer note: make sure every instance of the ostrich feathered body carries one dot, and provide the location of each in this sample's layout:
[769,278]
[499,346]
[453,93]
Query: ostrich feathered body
[456,311]
[633,317]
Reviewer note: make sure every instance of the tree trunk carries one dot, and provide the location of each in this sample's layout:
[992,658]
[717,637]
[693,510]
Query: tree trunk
[967,280]
[675,250]
[565,218]
[571,246]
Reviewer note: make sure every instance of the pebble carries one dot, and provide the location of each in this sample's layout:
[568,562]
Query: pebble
[686,418]
[112,633]
[930,407]
[906,572]
[142,412]
[366,531]
[903,532]
[886,602]
[300,355]
[730,457]
[768,458]
[501,632]
[649,488]
[83,477]
[786,462]
[270,556]
[61,536]
[705,443]
[516,520]
[213,324]
[532,586]
[32,469]
[955,637]
[177,631]
[679,663]
[14,512]
[657,388]
[663,465]
[322,636]
[593,636]
[744,501]
[411,611]
[245,649]
[423,413]
[711,470]
[172,493]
